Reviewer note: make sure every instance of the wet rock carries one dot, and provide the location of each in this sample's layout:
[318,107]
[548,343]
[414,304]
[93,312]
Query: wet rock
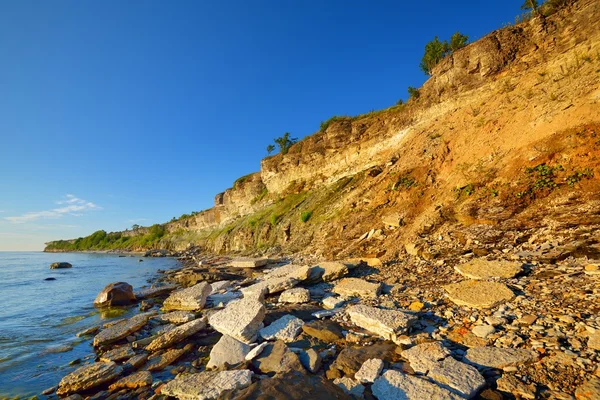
[369,371]
[160,361]
[227,351]
[177,317]
[331,302]
[311,360]
[388,324]
[396,385]
[240,319]
[118,354]
[294,385]
[255,352]
[277,358]
[351,359]
[589,390]
[295,296]
[59,265]
[190,299]
[154,292]
[50,390]
[326,331]
[177,335]
[89,331]
[357,287]
[286,328]
[115,294]
[478,294]
[424,356]
[121,329]
[350,386]
[497,357]
[462,378]
[50,279]
[481,268]
[88,377]
[207,385]
[133,381]
[249,262]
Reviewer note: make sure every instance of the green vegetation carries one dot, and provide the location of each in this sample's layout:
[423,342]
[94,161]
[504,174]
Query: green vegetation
[274,219]
[436,50]
[305,216]
[530,5]
[260,196]
[100,240]
[466,190]
[270,149]
[579,175]
[404,182]
[413,92]
[335,118]
[241,180]
[285,142]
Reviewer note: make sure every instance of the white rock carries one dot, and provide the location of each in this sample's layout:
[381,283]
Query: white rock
[331,302]
[207,385]
[349,287]
[497,357]
[369,371]
[240,319]
[463,378]
[481,268]
[295,296]
[286,328]
[256,350]
[483,331]
[396,385]
[424,356]
[177,335]
[176,317]
[350,386]
[218,286]
[227,350]
[478,294]
[249,262]
[388,324]
[190,299]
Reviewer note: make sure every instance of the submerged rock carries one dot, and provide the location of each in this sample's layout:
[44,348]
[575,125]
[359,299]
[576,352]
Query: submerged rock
[88,377]
[207,385]
[115,294]
[190,299]
[59,265]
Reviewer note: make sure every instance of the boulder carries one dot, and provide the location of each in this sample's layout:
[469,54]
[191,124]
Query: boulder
[481,268]
[295,296]
[497,357]
[369,371]
[396,385]
[59,265]
[478,293]
[88,377]
[277,358]
[240,319]
[176,335]
[328,271]
[424,356]
[357,287]
[326,331]
[190,299]
[227,351]
[310,359]
[133,381]
[122,329]
[255,352]
[483,331]
[115,294]
[350,386]
[459,377]
[388,324]
[286,328]
[207,385]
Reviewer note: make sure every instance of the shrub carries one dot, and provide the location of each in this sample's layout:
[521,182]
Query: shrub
[435,51]
[285,142]
[335,118]
[457,41]
[413,92]
[274,219]
[305,216]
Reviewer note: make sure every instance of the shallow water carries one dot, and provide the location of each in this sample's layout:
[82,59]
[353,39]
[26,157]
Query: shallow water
[39,319]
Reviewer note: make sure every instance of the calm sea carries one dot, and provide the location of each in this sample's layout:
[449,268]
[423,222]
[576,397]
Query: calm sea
[39,318]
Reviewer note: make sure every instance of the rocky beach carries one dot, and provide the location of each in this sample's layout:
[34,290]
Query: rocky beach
[512,323]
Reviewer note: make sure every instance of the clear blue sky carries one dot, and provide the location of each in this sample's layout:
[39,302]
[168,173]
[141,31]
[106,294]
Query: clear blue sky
[122,112]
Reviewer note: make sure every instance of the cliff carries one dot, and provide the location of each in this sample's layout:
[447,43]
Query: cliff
[502,136]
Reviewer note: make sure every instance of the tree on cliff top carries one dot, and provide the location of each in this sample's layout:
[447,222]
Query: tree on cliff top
[285,142]
[530,5]
[435,51]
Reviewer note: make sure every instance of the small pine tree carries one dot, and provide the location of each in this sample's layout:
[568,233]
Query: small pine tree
[435,51]
[270,149]
[285,142]
[458,41]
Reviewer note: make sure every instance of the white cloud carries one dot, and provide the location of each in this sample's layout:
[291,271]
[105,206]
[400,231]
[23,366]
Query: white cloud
[73,206]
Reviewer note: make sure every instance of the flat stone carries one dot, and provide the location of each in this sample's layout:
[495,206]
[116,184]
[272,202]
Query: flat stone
[478,293]
[424,356]
[177,317]
[115,294]
[277,358]
[227,351]
[89,331]
[133,381]
[592,269]
[149,293]
[255,352]
[122,329]
[510,384]
[249,262]
[527,320]
[218,286]
[136,362]
[331,302]
[286,328]
[240,319]
[369,371]
[310,359]
[88,377]
[207,385]
[295,296]
[350,386]
[351,358]
[589,390]
[190,299]
[328,271]
[483,331]
[594,341]
[326,313]
[416,306]
[460,377]
[481,268]
[357,287]
[294,271]
[118,354]
[396,385]
[388,324]
[326,331]
[162,360]
[177,335]
[497,357]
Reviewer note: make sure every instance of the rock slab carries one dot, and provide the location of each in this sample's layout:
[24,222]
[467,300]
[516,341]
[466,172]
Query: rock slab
[87,377]
[177,335]
[369,371]
[207,385]
[481,268]
[478,293]
[286,328]
[121,329]
[388,324]
[190,299]
[295,296]
[357,287]
[396,385]
[497,357]
[240,319]
[227,351]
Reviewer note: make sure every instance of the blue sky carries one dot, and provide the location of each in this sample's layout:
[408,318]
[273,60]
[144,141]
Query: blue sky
[121,112]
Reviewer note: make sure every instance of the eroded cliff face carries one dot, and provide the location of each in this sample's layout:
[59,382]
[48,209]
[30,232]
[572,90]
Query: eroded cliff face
[455,158]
